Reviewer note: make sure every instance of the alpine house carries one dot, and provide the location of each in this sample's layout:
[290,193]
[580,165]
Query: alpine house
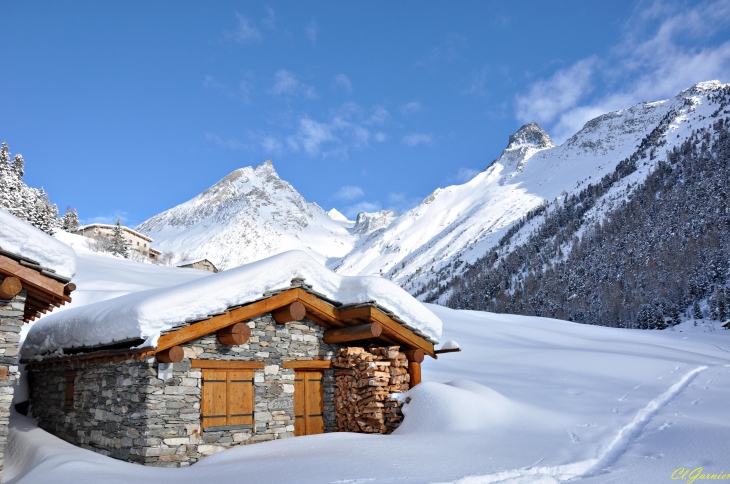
[273,349]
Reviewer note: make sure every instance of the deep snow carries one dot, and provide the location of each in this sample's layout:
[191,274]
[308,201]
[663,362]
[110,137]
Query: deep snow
[22,238]
[527,400]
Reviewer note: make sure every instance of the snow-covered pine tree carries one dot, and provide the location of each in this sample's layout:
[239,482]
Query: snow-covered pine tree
[696,310]
[119,246]
[70,220]
[24,202]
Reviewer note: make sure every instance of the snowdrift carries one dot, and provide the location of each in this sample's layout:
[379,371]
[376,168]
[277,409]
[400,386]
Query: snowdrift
[24,239]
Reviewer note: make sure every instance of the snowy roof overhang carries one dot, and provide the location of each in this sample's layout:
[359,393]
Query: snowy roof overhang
[159,319]
[44,288]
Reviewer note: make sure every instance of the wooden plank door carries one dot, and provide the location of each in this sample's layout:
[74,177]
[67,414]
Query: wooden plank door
[308,403]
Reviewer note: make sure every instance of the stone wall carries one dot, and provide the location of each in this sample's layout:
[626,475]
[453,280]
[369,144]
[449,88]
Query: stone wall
[124,410]
[11,320]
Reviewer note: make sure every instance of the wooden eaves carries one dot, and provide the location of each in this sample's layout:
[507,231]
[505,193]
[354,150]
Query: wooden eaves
[45,290]
[317,310]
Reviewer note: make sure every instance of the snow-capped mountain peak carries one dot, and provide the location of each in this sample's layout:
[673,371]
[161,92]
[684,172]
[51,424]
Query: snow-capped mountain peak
[524,143]
[248,215]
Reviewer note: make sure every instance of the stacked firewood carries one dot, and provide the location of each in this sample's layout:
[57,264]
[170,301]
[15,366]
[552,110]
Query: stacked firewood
[366,384]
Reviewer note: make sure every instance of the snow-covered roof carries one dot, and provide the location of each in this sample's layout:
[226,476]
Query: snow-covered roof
[147,314]
[23,239]
[191,261]
[111,226]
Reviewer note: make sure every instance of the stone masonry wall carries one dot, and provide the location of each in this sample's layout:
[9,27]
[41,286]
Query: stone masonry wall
[125,411]
[11,320]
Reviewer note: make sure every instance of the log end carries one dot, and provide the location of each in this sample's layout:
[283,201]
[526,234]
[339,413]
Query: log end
[234,335]
[10,287]
[287,314]
[174,354]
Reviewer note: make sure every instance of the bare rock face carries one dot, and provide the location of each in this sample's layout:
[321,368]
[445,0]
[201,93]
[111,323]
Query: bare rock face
[529,139]
[530,134]
[368,223]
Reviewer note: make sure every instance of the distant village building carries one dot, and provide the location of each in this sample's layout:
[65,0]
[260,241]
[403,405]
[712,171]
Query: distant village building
[139,242]
[288,362]
[200,264]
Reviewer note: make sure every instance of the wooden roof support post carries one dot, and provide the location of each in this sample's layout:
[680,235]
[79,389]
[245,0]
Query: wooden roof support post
[291,312]
[10,287]
[234,335]
[353,333]
[415,358]
[414,371]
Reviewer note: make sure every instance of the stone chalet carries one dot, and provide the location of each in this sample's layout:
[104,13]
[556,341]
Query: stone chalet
[200,264]
[27,290]
[139,242]
[293,362]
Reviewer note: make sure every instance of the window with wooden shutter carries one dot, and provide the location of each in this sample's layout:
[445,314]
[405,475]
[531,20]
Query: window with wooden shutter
[227,397]
[68,398]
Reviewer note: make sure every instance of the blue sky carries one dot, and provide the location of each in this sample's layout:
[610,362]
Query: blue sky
[125,109]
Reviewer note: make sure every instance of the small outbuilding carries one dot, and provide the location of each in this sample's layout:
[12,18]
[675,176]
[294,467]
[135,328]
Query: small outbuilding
[274,349]
[200,264]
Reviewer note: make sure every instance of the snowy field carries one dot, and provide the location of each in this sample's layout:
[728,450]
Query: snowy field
[527,400]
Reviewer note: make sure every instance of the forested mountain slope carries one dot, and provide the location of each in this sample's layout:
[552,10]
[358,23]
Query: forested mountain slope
[659,253]
[456,226]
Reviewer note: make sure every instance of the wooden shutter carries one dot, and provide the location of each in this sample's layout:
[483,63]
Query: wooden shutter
[240,397]
[228,398]
[214,398]
[68,397]
[308,403]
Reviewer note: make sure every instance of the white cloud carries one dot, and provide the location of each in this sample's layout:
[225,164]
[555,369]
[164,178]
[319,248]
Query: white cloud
[246,32]
[464,175]
[311,135]
[662,52]
[400,202]
[448,50]
[349,192]
[380,116]
[230,143]
[110,219]
[286,84]
[415,139]
[477,83]
[344,82]
[412,107]
[352,211]
[269,21]
[562,91]
[311,31]
[242,93]
[344,129]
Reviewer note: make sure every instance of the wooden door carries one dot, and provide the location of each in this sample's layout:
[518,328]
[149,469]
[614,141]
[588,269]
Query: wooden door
[308,402]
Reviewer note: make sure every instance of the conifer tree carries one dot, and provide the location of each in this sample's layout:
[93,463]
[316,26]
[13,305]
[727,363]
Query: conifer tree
[119,246]
[696,311]
[70,220]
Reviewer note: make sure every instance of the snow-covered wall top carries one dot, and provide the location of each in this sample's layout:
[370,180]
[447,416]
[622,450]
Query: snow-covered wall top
[147,314]
[24,239]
